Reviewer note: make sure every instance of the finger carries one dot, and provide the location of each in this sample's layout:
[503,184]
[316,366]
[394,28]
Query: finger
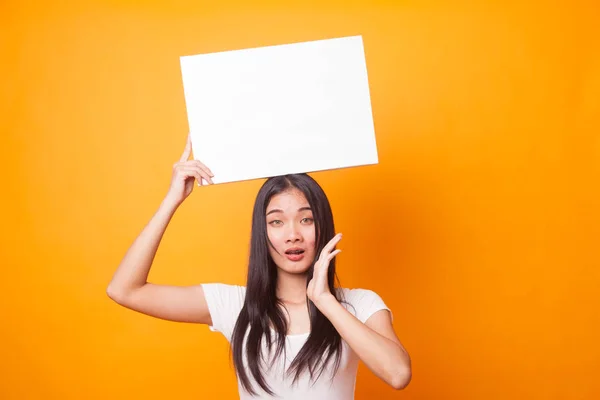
[333,254]
[204,167]
[200,172]
[323,265]
[199,164]
[188,149]
[191,172]
[329,246]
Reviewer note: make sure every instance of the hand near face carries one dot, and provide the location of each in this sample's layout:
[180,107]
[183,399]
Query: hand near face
[185,173]
[318,287]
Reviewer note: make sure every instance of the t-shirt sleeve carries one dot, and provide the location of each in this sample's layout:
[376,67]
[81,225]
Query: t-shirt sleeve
[224,305]
[363,303]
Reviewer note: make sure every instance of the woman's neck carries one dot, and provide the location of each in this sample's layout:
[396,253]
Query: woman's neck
[291,288]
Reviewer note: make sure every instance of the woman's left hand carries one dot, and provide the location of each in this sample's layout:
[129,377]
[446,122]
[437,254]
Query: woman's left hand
[318,287]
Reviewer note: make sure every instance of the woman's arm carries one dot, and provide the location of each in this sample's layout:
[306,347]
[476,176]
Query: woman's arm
[129,286]
[375,342]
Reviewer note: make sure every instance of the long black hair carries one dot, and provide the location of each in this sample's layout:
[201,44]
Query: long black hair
[262,309]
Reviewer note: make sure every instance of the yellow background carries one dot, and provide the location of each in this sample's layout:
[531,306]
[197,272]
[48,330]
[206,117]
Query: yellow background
[480,227]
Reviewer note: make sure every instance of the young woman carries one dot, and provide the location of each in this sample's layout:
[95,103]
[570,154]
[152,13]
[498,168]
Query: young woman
[293,334]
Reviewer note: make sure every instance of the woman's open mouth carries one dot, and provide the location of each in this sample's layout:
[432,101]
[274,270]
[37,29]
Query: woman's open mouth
[294,254]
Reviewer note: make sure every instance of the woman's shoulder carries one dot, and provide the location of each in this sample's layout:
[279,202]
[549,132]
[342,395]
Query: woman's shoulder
[361,302]
[224,302]
[224,292]
[224,286]
[356,294]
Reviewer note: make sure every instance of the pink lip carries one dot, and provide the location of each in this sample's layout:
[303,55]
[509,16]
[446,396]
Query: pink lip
[295,257]
[294,249]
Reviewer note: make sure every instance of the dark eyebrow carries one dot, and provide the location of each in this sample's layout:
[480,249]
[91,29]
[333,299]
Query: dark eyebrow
[276,210]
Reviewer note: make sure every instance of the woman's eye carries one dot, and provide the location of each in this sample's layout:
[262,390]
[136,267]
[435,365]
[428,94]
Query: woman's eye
[306,220]
[275,222]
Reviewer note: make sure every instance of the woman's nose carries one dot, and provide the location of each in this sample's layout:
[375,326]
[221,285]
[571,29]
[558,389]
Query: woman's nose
[293,234]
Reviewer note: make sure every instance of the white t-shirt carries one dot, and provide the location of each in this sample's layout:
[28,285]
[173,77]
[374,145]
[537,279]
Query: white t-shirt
[225,303]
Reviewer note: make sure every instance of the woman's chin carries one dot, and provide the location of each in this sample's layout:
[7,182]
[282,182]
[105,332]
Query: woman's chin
[295,268]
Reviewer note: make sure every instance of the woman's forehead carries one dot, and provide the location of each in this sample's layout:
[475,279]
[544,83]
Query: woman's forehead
[289,200]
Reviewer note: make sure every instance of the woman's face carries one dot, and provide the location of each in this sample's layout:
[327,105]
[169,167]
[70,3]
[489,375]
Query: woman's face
[291,230]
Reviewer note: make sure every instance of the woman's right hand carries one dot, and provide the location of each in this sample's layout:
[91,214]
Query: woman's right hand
[185,172]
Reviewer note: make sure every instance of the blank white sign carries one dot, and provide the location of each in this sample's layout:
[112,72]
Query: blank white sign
[276,110]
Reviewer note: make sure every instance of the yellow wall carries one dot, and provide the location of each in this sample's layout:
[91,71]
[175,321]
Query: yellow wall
[479,227]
